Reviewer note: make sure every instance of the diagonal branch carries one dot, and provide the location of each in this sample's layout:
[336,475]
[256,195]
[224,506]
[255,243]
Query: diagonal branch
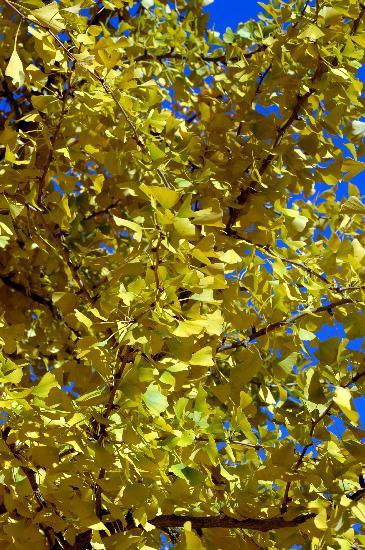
[38,299]
[270,252]
[301,100]
[326,412]
[284,323]
[266,249]
[10,283]
[103,211]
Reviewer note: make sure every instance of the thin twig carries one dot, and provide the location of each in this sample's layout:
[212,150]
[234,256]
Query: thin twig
[268,250]
[100,429]
[53,141]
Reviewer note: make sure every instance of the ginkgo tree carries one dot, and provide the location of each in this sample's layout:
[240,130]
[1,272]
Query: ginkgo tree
[182,265]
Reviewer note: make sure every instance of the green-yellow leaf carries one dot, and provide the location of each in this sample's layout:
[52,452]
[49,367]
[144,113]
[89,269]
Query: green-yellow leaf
[299,223]
[155,401]
[352,168]
[166,197]
[47,382]
[83,319]
[184,228]
[120,222]
[75,9]
[359,39]
[202,357]
[189,328]
[212,215]
[353,206]
[155,152]
[306,335]
[320,520]
[359,511]
[13,377]
[50,16]
[312,32]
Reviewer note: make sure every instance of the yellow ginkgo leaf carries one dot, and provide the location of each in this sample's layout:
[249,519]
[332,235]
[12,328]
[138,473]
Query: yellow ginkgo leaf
[343,400]
[50,17]
[15,68]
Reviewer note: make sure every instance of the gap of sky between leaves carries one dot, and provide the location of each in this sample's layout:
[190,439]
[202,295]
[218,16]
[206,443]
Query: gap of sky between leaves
[229,13]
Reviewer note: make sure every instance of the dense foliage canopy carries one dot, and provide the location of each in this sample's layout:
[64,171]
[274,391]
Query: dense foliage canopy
[178,227]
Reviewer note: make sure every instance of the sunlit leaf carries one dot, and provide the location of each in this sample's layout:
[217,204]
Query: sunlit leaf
[15,69]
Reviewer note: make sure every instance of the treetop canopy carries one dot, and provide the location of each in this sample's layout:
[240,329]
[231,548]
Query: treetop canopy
[178,224]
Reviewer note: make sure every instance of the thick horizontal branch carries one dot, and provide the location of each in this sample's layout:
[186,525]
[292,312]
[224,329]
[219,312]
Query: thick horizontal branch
[226,522]
[172,55]
[208,522]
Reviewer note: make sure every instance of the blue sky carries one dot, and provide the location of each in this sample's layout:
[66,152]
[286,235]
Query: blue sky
[228,13]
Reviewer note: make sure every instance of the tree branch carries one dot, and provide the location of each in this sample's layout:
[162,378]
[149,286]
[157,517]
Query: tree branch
[29,473]
[283,323]
[208,522]
[268,250]
[355,496]
[147,56]
[53,141]
[103,211]
[281,131]
[100,429]
[356,23]
[9,282]
[38,299]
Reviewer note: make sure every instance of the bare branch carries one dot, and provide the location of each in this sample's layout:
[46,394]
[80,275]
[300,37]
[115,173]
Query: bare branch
[223,59]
